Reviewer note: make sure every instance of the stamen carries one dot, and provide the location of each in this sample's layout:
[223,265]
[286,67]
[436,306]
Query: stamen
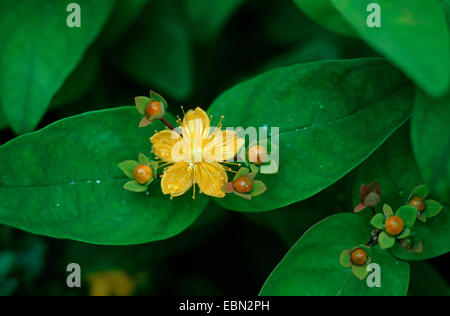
[232,163]
[219,125]
[182,109]
[164,164]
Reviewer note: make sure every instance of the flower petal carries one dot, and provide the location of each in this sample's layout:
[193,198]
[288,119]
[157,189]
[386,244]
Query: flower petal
[210,177]
[164,145]
[177,179]
[222,146]
[196,122]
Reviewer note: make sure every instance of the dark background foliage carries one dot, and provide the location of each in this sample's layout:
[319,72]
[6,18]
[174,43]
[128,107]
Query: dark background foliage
[223,253]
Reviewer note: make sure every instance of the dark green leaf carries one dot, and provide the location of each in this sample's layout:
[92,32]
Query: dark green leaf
[209,17]
[434,234]
[331,115]
[312,266]
[393,168]
[413,35]
[159,54]
[122,17]
[64,184]
[426,281]
[430,134]
[323,12]
[39,53]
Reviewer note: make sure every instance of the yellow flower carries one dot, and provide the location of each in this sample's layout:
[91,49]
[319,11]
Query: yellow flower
[195,154]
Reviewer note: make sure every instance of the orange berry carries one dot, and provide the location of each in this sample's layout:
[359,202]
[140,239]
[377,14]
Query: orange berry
[153,108]
[243,185]
[143,174]
[418,203]
[359,257]
[257,154]
[394,225]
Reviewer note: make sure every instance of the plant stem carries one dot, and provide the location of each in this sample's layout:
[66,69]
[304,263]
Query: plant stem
[167,124]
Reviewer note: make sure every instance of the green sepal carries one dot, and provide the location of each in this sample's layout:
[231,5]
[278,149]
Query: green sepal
[420,191]
[143,159]
[409,215]
[345,259]
[258,188]
[242,172]
[254,168]
[251,175]
[128,166]
[141,104]
[360,271]
[243,195]
[366,249]
[228,187]
[387,210]
[422,218]
[134,186]
[432,208]
[157,97]
[378,221]
[386,241]
[406,233]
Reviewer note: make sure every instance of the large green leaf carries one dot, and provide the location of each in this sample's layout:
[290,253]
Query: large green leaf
[312,266]
[413,35]
[434,235]
[426,281]
[209,17]
[323,12]
[39,51]
[160,53]
[63,181]
[430,134]
[3,123]
[331,115]
[122,17]
[393,168]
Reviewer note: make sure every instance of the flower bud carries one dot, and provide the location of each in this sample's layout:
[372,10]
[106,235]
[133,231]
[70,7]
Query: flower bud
[143,174]
[243,185]
[394,225]
[359,257]
[257,154]
[418,203]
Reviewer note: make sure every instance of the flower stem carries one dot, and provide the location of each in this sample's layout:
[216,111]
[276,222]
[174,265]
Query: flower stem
[167,124]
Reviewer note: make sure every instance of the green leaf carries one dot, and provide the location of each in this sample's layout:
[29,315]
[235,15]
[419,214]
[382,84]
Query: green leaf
[40,52]
[67,185]
[393,167]
[408,213]
[434,235]
[426,281]
[159,55]
[312,266]
[430,134]
[432,208]
[386,241]
[323,12]
[122,17]
[80,81]
[128,167]
[316,105]
[134,186]
[3,123]
[378,221]
[420,49]
[209,17]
